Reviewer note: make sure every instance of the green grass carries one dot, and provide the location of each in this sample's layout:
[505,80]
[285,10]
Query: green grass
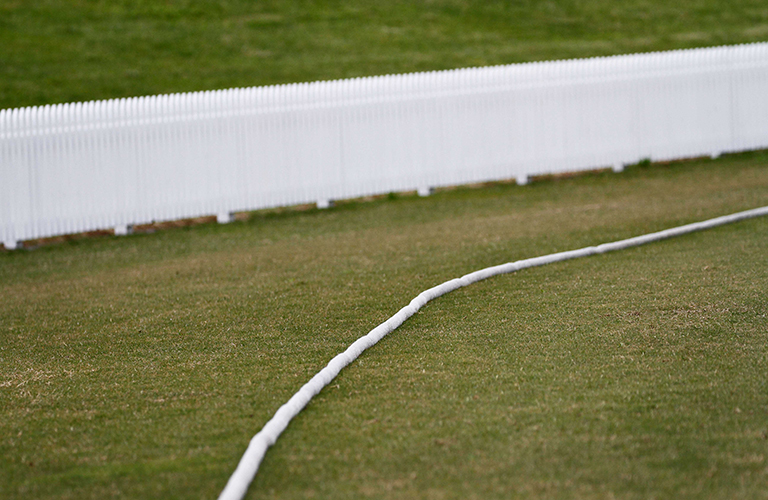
[140,366]
[74,50]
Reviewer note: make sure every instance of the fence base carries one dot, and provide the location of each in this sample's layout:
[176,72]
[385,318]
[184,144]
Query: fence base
[225,217]
[123,230]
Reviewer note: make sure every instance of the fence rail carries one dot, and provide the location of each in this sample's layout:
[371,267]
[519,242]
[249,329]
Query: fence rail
[111,164]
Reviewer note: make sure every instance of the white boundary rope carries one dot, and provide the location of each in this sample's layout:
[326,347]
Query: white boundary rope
[249,464]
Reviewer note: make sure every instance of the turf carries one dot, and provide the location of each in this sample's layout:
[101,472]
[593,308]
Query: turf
[140,366]
[75,50]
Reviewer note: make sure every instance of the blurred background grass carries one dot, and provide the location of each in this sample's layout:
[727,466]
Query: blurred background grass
[59,51]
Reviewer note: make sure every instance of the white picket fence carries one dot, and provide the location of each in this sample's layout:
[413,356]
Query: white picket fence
[111,164]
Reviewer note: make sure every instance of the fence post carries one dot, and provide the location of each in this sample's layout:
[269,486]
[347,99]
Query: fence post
[123,229]
[11,244]
[225,217]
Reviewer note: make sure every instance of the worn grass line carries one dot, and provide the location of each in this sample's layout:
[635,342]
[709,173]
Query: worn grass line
[237,486]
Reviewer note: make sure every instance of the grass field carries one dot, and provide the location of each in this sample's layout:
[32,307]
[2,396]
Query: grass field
[75,50]
[140,366]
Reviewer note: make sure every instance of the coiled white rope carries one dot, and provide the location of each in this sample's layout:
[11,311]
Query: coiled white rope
[249,464]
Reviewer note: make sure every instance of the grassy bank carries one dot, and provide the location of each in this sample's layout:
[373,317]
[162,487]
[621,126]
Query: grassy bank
[140,366]
[61,51]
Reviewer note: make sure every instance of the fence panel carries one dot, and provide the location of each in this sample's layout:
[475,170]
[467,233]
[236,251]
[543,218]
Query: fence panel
[86,166]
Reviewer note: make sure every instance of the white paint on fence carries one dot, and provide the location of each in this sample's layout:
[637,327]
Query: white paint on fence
[246,470]
[112,164]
